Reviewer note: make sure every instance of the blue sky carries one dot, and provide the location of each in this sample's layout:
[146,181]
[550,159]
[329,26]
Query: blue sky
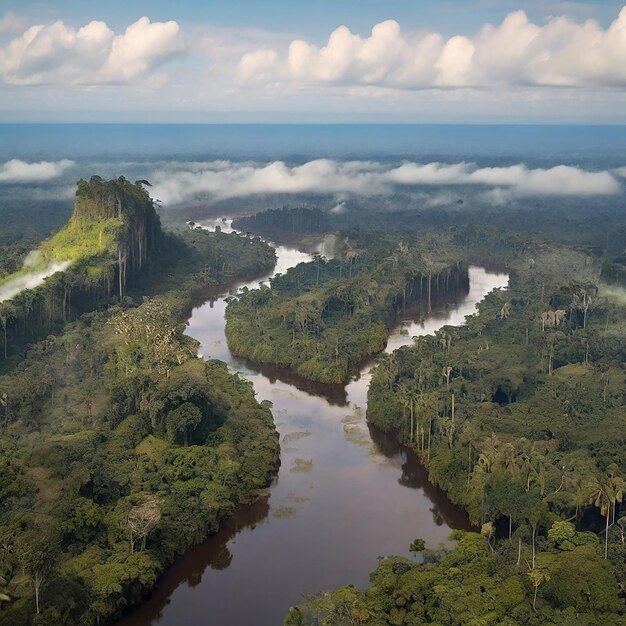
[316,18]
[296,60]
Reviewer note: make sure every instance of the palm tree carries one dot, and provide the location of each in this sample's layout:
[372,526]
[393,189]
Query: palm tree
[392,369]
[621,522]
[4,318]
[407,403]
[579,486]
[487,460]
[537,514]
[351,253]
[537,470]
[509,458]
[444,338]
[488,531]
[469,434]
[446,371]
[608,490]
[318,258]
[431,405]
[617,486]
[582,299]
[537,578]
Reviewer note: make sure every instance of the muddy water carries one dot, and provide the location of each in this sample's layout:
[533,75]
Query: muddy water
[345,493]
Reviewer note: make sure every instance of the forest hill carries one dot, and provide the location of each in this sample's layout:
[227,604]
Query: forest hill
[119,447]
[322,319]
[108,242]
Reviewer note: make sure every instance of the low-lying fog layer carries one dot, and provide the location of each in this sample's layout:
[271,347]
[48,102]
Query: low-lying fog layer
[218,180]
[18,171]
[615,293]
[29,279]
[224,179]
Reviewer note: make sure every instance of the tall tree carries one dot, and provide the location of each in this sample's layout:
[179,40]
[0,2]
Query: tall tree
[607,491]
[537,578]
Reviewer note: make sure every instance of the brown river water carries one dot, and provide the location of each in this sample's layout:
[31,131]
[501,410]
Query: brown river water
[345,493]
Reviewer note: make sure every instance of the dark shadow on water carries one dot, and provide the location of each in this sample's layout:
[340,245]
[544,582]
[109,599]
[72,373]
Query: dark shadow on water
[215,553]
[189,569]
[415,476]
[335,395]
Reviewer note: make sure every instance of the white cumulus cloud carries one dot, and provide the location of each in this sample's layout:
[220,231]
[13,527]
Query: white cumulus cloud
[90,55]
[17,171]
[221,180]
[561,52]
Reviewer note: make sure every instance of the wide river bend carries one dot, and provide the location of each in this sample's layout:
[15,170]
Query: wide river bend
[345,492]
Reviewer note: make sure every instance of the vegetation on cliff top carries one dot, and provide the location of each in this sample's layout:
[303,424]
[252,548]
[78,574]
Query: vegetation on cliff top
[110,238]
[117,252]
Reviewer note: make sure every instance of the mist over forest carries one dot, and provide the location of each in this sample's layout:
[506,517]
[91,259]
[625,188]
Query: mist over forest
[521,194]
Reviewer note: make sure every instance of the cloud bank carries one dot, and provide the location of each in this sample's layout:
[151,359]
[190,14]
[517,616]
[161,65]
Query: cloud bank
[562,53]
[17,171]
[221,180]
[90,55]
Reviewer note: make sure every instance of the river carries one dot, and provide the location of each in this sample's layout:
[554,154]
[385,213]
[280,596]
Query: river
[345,493]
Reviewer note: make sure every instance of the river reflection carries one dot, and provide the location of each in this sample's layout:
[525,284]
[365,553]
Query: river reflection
[345,493]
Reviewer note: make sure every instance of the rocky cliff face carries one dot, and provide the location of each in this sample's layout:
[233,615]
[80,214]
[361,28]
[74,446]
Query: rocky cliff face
[130,205]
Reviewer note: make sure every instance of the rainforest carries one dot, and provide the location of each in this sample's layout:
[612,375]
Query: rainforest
[405,412]
[122,449]
[313,313]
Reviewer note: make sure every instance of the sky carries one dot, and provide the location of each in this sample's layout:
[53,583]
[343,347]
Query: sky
[415,61]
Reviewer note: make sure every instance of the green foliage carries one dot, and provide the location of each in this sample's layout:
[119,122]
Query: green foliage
[519,416]
[538,398]
[566,537]
[122,444]
[472,585]
[284,221]
[120,254]
[324,318]
[183,420]
[83,239]
[109,240]
[417,545]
